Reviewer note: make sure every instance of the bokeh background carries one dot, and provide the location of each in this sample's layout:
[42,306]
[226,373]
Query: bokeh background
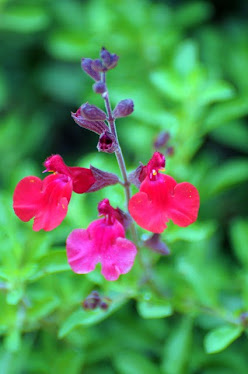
[185,66]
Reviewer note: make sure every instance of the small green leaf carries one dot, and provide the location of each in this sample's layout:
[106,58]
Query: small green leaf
[220,338]
[88,318]
[239,238]
[216,91]
[129,362]
[177,348]
[227,175]
[53,262]
[154,308]
[225,112]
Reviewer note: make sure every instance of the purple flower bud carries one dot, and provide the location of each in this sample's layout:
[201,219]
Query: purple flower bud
[156,244]
[161,140]
[137,176]
[103,179]
[92,301]
[170,151]
[97,65]
[109,60]
[86,65]
[99,87]
[103,305]
[92,112]
[96,126]
[123,217]
[123,108]
[107,143]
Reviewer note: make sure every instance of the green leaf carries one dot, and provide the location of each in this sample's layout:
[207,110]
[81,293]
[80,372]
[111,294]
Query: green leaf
[25,19]
[234,134]
[225,112]
[185,59]
[53,262]
[216,91]
[154,308]
[177,348]
[88,318]
[239,238]
[129,362]
[220,338]
[227,175]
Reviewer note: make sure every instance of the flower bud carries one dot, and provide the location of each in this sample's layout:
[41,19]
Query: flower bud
[170,151]
[99,87]
[107,143]
[92,301]
[137,176]
[123,108]
[96,126]
[161,140]
[156,244]
[97,65]
[109,60]
[102,179]
[86,65]
[92,112]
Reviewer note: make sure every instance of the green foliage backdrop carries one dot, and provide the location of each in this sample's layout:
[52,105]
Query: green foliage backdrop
[187,75]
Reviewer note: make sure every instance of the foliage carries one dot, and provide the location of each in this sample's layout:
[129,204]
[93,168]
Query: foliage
[171,315]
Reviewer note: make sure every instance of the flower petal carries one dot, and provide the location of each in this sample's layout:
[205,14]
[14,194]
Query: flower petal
[27,196]
[118,259]
[82,179]
[147,214]
[56,194]
[184,206]
[81,252]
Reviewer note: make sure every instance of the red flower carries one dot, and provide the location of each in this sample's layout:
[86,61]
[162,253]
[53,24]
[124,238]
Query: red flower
[103,241]
[161,198]
[47,201]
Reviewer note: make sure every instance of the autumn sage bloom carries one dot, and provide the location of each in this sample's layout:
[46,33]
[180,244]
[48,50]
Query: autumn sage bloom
[47,200]
[161,199]
[103,241]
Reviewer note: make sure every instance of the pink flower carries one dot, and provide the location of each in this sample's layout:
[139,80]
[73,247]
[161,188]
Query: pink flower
[47,201]
[161,198]
[103,241]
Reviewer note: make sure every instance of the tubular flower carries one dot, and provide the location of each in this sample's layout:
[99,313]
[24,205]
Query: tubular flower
[103,241]
[161,198]
[47,201]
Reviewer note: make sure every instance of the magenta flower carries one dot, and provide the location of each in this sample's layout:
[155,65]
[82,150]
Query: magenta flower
[103,241]
[47,201]
[161,199]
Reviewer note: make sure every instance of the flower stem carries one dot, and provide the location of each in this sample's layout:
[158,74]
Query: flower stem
[118,152]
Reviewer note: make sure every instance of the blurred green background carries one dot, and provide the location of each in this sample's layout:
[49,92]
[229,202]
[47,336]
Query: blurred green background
[184,64]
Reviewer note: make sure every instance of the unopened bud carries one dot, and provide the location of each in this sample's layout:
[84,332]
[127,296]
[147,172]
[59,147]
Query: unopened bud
[161,140]
[92,112]
[86,65]
[103,305]
[97,65]
[156,244]
[170,151]
[99,87]
[102,179]
[96,126]
[137,176]
[109,60]
[123,108]
[92,301]
[107,143]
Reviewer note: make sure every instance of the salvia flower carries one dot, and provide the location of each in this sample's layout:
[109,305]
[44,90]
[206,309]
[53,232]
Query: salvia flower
[161,199]
[47,200]
[103,241]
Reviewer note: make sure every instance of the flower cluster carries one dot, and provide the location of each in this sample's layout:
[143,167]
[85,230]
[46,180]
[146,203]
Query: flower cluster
[160,197]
